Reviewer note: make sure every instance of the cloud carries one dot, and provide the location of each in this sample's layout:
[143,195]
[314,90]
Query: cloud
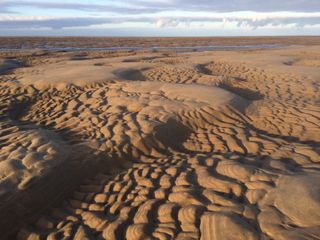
[250,5]
[60,23]
[130,9]
[297,21]
[53,23]
[146,6]
[165,22]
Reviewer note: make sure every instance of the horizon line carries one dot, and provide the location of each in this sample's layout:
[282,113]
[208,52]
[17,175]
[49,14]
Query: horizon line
[153,36]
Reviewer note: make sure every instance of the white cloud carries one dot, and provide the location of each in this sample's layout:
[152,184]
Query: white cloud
[165,22]
[18,22]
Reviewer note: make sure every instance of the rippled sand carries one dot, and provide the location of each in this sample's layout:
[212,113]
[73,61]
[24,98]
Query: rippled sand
[212,145]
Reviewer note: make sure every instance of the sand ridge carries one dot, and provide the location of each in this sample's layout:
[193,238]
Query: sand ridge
[203,146]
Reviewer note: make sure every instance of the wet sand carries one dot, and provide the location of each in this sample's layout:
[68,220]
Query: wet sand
[159,144]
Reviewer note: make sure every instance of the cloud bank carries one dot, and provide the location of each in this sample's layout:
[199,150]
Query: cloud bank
[165,14]
[144,6]
[60,23]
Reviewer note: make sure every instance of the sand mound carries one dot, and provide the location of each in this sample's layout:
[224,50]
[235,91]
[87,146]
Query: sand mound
[193,93]
[29,154]
[63,73]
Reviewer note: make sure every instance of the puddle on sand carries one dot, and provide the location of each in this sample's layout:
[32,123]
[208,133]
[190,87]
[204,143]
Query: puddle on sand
[154,48]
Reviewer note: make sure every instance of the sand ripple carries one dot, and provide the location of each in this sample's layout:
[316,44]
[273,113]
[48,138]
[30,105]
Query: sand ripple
[160,147]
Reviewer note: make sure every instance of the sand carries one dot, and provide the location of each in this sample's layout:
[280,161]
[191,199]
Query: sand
[153,145]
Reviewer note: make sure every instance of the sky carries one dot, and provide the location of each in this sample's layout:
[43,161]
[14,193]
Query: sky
[159,17]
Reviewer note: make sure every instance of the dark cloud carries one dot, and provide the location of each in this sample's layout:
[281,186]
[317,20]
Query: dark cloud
[144,6]
[59,23]
[241,5]
[50,23]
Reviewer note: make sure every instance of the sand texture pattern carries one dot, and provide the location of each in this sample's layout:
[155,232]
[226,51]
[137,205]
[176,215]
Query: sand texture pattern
[211,145]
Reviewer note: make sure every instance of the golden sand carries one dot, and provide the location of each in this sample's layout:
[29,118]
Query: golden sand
[210,145]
